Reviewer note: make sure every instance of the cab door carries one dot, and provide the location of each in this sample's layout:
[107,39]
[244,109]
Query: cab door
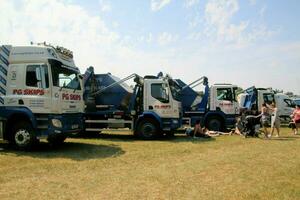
[36,93]
[225,100]
[157,99]
[287,108]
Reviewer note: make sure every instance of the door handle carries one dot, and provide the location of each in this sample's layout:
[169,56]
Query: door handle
[21,102]
[150,107]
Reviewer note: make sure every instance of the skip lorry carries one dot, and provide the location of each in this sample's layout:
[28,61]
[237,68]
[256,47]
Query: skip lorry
[149,108]
[41,94]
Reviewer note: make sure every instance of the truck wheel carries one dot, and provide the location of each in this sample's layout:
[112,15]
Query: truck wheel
[148,129]
[56,140]
[214,124]
[23,136]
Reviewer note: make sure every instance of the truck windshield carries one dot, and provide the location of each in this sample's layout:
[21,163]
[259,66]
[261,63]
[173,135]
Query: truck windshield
[268,98]
[175,89]
[63,76]
[290,103]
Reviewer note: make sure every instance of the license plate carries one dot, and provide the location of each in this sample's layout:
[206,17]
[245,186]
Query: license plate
[74,126]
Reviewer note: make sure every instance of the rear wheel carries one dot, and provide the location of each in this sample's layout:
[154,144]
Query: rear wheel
[23,136]
[215,124]
[148,129]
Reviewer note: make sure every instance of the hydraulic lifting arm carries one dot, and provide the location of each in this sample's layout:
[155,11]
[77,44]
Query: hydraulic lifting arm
[203,80]
[135,76]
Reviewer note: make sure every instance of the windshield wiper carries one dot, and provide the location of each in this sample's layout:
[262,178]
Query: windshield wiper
[60,88]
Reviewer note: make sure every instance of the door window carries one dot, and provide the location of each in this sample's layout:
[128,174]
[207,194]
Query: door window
[37,76]
[159,92]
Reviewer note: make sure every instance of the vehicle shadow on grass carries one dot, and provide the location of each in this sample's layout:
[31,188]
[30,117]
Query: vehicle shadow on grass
[183,138]
[72,150]
[113,137]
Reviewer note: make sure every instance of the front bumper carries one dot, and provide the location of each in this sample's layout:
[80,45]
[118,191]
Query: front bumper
[170,124]
[72,124]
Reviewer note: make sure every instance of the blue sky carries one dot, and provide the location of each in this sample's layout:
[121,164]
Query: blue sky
[245,42]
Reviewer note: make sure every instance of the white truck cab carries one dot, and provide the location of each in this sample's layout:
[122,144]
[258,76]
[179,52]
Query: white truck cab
[285,105]
[40,94]
[223,97]
[216,107]
[159,99]
[254,100]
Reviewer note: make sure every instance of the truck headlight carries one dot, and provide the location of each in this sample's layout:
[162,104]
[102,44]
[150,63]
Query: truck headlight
[175,121]
[57,123]
[133,112]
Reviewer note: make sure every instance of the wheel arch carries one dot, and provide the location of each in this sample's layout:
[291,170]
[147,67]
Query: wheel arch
[149,115]
[15,116]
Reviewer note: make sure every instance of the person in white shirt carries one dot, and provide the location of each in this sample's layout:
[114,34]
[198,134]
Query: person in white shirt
[275,120]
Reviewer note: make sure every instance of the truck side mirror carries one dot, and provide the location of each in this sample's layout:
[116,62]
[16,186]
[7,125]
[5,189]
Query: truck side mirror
[38,77]
[165,94]
[38,74]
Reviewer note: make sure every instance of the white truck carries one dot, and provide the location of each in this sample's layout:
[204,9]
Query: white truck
[149,109]
[216,109]
[41,94]
[252,99]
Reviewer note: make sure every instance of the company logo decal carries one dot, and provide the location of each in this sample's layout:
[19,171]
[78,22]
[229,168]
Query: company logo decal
[66,96]
[29,92]
[162,106]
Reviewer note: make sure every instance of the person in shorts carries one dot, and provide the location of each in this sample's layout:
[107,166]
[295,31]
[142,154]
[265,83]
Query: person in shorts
[296,119]
[275,120]
[265,119]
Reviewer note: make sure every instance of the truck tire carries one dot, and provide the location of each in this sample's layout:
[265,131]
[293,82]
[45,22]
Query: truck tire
[148,129]
[56,140]
[214,124]
[23,136]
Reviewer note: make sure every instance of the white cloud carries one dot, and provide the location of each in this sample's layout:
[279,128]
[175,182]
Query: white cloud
[166,38]
[105,6]
[252,2]
[190,3]
[262,11]
[70,26]
[146,38]
[159,4]
[194,36]
[93,43]
[195,21]
[218,14]
[218,17]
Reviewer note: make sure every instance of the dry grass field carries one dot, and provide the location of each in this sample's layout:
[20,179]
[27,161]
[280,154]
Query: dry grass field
[121,167]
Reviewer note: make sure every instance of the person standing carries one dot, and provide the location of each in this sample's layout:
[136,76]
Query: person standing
[296,119]
[265,119]
[275,120]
